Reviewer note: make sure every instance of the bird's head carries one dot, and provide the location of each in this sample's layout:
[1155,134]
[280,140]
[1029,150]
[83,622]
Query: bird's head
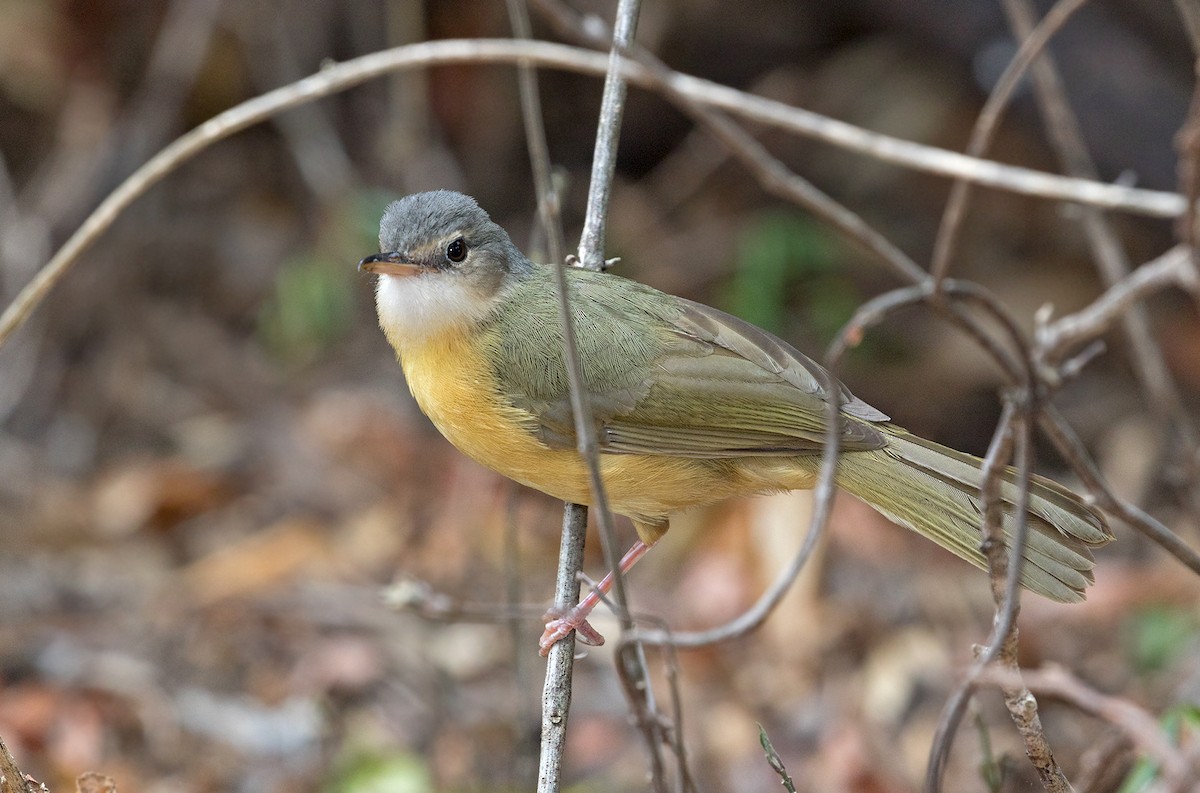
[442,264]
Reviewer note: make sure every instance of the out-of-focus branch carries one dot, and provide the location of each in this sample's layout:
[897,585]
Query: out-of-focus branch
[1189,12]
[535,139]
[1146,356]
[987,124]
[341,76]
[1072,449]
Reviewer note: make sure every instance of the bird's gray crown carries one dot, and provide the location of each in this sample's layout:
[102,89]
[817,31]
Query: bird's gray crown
[417,220]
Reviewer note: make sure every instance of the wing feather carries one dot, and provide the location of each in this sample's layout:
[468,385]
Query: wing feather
[676,378]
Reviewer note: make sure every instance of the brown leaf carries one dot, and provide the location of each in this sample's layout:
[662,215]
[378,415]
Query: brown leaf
[285,550]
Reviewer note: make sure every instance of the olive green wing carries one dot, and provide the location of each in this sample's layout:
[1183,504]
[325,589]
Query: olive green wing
[666,376]
[726,388]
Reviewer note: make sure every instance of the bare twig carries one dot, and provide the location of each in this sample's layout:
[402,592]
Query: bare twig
[772,173]
[12,779]
[341,76]
[556,700]
[1021,704]
[591,254]
[1174,268]
[1141,727]
[604,160]
[535,139]
[1114,303]
[1072,449]
[1065,135]
[686,783]
[1023,708]
[987,124]
[1001,569]
[635,679]
[560,666]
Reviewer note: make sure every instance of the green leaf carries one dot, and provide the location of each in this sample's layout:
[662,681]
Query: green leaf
[1158,636]
[373,772]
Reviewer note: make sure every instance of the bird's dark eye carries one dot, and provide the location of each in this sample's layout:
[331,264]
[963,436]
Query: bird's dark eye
[457,250]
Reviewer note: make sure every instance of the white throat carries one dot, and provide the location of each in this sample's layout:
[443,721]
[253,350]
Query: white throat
[414,309]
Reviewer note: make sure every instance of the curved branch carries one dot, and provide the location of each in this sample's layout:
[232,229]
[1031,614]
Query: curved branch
[339,77]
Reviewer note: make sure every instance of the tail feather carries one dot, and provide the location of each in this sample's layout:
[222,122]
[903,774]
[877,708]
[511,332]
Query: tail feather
[936,492]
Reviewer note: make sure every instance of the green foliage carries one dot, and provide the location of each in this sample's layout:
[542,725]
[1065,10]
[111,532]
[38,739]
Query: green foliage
[783,250]
[991,769]
[1181,725]
[378,772]
[1157,636]
[775,761]
[312,306]
[308,312]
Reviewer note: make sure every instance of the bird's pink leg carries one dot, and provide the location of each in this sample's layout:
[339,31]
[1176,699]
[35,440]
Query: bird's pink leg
[560,625]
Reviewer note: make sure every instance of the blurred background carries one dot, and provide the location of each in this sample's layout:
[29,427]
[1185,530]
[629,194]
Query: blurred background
[210,466]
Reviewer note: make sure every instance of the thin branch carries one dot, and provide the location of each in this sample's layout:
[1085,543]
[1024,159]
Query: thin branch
[591,254]
[987,124]
[1023,707]
[1066,137]
[955,708]
[634,675]
[556,698]
[560,662]
[1173,268]
[1072,449]
[339,77]
[1142,728]
[535,139]
[1021,704]
[604,160]
[686,783]
[12,779]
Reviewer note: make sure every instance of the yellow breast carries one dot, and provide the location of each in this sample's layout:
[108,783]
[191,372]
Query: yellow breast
[455,388]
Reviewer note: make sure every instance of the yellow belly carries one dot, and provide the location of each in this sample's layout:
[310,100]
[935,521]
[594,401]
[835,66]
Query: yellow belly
[455,389]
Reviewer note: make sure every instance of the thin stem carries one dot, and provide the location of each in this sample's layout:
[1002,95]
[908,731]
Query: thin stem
[987,124]
[604,160]
[535,138]
[342,76]
[560,662]
[1066,137]
[1173,268]
[1141,727]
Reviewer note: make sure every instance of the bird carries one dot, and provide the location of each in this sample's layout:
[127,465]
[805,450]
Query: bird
[690,405]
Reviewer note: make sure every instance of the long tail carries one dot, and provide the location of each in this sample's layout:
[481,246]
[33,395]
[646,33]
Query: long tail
[935,491]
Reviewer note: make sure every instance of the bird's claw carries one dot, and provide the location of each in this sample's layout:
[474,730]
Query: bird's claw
[559,625]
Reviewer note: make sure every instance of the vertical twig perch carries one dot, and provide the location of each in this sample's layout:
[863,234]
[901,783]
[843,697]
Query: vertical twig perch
[556,698]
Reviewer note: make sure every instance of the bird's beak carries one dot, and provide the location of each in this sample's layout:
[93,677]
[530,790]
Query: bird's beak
[390,263]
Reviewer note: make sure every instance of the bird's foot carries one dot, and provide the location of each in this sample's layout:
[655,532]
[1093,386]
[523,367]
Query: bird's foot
[559,625]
